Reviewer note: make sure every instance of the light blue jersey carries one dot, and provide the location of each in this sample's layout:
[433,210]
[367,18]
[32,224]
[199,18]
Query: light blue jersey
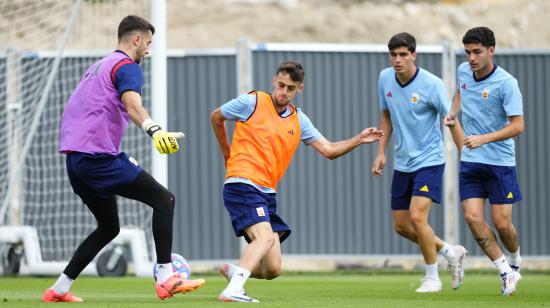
[242,107]
[486,105]
[416,110]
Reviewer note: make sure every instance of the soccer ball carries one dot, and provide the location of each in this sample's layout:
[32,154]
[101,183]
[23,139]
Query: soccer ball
[179,265]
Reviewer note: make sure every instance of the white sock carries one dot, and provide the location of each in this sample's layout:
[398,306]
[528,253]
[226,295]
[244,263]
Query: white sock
[447,251]
[236,284]
[231,271]
[431,271]
[164,271]
[63,284]
[502,265]
[515,258]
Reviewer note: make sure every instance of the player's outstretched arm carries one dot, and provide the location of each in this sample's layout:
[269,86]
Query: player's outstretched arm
[380,160]
[332,150]
[218,126]
[165,142]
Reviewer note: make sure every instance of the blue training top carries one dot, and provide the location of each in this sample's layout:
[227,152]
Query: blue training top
[486,105]
[416,110]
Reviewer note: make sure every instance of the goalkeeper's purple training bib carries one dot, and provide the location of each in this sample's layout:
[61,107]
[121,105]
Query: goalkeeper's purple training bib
[95,119]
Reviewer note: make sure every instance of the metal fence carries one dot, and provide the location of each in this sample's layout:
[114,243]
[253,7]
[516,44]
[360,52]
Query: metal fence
[337,207]
[334,207]
[197,84]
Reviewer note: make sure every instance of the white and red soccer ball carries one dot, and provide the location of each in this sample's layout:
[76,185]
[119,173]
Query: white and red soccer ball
[179,265]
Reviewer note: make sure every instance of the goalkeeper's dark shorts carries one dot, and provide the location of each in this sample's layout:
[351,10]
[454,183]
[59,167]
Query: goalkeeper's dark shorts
[248,206]
[95,176]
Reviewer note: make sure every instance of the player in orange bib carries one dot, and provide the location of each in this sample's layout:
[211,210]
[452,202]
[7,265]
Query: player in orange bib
[267,132]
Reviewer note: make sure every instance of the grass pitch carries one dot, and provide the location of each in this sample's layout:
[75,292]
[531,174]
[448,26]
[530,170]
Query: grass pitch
[294,290]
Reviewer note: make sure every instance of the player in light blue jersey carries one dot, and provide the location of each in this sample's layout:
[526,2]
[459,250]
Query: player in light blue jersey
[492,114]
[413,102]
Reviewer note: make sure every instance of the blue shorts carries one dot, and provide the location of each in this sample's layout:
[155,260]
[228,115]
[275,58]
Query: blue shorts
[424,182]
[498,183]
[95,176]
[248,206]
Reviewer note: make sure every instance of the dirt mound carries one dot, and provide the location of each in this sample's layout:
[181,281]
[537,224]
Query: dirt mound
[219,23]
[210,23]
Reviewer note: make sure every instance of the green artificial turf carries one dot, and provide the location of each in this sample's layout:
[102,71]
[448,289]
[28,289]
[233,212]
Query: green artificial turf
[293,290]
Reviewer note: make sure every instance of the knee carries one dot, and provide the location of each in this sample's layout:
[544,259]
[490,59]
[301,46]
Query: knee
[273,272]
[473,218]
[418,219]
[403,230]
[109,232]
[171,201]
[166,203]
[502,226]
[115,231]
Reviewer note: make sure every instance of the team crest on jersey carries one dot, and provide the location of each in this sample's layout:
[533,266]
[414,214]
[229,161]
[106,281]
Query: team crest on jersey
[415,98]
[485,93]
[260,211]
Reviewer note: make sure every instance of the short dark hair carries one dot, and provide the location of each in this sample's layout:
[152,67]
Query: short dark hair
[294,69]
[132,23]
[402,39]
[479,35]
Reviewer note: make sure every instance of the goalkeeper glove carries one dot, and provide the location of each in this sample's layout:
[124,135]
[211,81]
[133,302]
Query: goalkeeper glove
[165,142]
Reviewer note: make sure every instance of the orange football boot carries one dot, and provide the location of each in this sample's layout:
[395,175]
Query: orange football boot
[176,284]
[50,296]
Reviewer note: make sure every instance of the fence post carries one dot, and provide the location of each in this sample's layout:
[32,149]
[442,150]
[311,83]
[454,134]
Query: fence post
[244,82]
[159,104]
[450,186]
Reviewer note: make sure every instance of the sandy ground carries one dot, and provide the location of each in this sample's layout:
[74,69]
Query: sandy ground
[219,23]
[210,23]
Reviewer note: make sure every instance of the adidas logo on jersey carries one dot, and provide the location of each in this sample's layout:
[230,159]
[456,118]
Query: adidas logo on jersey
[424,188]
[389,94]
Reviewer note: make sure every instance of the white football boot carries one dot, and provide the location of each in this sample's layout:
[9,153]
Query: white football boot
[456,267]
[236,297]
[429,285]
[510,282]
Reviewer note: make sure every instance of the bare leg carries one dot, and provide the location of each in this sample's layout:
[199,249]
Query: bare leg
[263,240]
[502,220]
[485,237]
[420,209]
[404,227]
[270,265]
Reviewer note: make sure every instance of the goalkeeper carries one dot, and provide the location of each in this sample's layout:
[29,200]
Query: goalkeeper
[92,126]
